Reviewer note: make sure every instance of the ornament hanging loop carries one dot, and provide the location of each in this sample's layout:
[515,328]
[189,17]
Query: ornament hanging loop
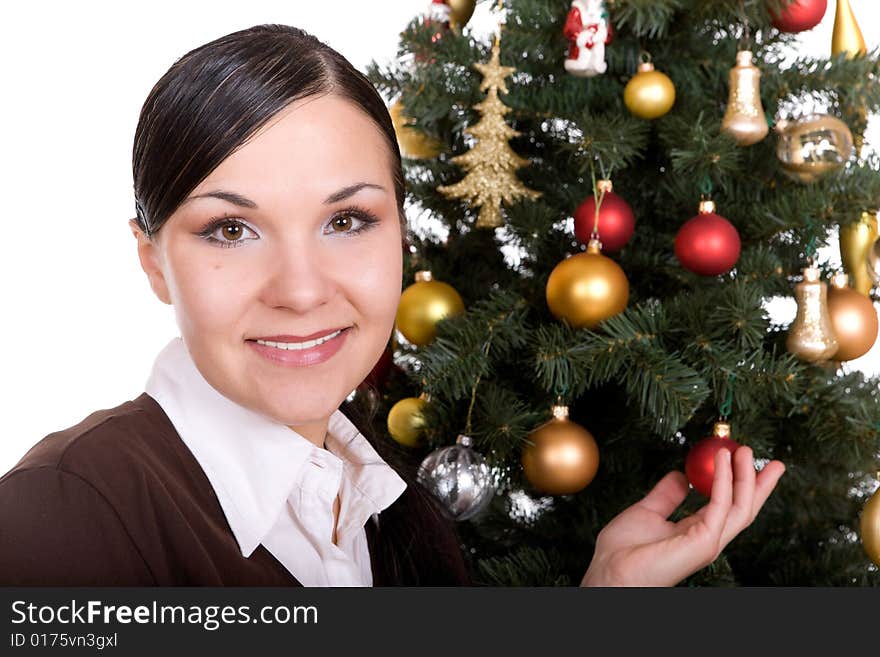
[727,405]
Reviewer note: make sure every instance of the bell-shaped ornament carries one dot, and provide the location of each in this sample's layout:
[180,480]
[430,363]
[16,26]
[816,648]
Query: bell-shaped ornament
[811,336]
[744,119]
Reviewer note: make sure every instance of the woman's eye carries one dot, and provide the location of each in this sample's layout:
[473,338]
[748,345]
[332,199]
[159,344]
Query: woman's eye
[349,223]
[227,233]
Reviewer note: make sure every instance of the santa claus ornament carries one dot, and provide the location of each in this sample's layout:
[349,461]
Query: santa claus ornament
[588,30]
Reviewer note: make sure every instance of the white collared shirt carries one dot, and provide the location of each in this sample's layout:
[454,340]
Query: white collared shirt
[275,486]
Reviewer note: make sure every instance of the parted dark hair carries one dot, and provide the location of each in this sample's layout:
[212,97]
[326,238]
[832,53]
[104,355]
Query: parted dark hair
[217,96]
[208,104]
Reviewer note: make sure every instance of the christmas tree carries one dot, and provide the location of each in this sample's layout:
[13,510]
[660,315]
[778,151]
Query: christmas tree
[650,340]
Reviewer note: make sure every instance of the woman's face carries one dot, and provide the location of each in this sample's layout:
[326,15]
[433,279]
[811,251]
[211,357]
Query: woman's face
[294,234]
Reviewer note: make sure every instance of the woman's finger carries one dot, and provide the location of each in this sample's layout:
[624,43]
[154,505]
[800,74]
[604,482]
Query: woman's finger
[715,513]
[667,494]
[740,515]
[765,482]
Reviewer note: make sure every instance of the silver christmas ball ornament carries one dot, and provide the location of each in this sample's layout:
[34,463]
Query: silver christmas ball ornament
[459,477]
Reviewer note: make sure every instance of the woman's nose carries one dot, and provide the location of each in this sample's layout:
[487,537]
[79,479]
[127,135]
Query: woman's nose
[298,278]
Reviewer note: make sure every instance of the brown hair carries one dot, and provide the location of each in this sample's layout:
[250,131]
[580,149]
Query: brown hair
[215,97]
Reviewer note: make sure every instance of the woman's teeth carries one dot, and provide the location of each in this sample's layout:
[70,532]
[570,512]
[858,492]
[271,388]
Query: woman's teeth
[308,344]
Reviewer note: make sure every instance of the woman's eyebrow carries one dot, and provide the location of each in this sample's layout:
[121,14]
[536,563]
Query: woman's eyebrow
[244,202]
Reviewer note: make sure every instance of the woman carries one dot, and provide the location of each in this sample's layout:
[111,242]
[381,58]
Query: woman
[269,198]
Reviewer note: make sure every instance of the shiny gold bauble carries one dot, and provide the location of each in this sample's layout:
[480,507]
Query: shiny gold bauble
[422,305]
[649,94]
[853,318]
[561,457]
[406,424]
[744,119]
[846,36]
[811,336]
[460,12]
[812,146]
[413,142]
[587,288]
[856,241]
[870,527]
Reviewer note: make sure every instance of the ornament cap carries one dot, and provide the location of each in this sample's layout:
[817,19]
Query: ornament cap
[721,430]
[560,412]
[811,274]
[604,185]
[424,275]
[707,206]
[594,246]
[840,280]
[463,440]
[646,67]
[744,58]
[424,396]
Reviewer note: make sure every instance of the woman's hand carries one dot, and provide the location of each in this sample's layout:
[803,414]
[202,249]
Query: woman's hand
[640,547]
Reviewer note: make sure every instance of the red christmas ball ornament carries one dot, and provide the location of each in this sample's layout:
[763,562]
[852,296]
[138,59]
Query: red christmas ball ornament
[699,465]
[707,244]
[799,16]
[616,219]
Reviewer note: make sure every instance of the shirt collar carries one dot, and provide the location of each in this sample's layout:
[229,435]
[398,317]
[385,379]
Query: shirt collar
[253,462]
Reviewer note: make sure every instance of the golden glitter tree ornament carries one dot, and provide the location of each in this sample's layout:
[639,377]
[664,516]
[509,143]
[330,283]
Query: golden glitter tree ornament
[744,119]
[853,318]
[846,37]
[811,336]
[856,240]
[491,164]
[406,422]
[423,304]
[870,527]
[560,457]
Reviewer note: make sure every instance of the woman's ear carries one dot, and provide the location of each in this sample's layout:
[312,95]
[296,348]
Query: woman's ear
[148,253]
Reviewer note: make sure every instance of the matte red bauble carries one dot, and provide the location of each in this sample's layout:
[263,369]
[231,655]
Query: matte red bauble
[616,219]
[699,465]
[800,15]
[707,244]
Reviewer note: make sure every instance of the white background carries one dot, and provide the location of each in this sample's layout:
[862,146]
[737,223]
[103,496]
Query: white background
[80,326]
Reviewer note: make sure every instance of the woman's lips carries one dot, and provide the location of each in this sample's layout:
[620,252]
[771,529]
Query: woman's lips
[301,357]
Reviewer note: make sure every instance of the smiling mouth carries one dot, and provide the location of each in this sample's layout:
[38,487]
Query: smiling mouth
[289,344]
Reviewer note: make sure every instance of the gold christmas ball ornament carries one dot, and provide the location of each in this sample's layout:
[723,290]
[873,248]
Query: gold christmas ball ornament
[853,318]
[413,142]
[811,336]
[812,146]
[649,94]
[870,527]
[460,12]
[561,456]
[846,36]
[422,305]
[856,242]
[587,288]
[406,424]
[744,119]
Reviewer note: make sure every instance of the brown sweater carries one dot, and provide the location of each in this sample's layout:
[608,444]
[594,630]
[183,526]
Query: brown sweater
[119,500]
